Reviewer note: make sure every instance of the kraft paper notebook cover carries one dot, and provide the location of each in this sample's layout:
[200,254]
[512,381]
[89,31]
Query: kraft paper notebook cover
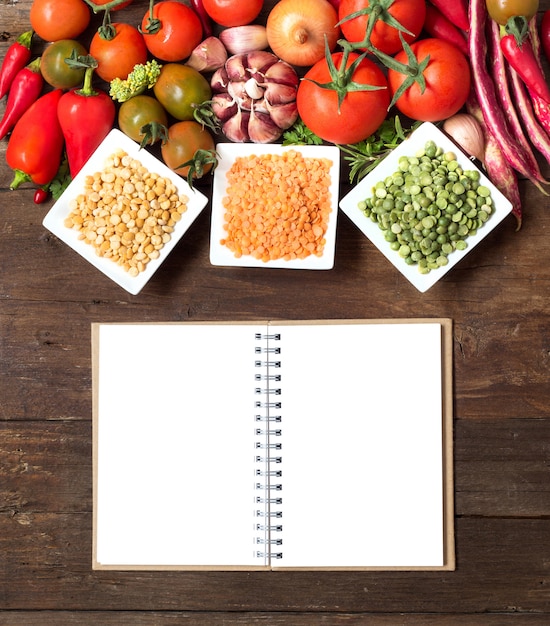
[273,445]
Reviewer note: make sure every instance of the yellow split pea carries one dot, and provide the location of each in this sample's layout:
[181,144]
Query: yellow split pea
[277,206]
[126,212]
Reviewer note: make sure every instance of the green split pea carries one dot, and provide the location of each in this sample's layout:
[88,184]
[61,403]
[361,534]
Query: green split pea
[429,207]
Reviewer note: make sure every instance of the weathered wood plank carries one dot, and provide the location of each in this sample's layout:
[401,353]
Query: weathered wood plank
[502,567]
[157,618]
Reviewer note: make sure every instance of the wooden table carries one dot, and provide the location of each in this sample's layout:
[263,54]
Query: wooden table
[499,299]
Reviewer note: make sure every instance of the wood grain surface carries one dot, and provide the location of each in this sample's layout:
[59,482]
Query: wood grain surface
[499,300]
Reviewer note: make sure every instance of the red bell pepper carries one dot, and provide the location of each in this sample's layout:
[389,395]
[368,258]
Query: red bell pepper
[25,89]
[36,142]
[17,56]
[521,57]
[437,25]
[456,11]
[86,116]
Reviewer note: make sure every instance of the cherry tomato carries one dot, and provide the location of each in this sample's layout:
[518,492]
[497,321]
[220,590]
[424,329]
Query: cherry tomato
[179,87]
[502,10]
[447,77]
[233,12]
[114,8]
[138,111]
[385,37]
[53,68]
[179,30]
[184,139]
[359,114]
[59,19]
[116,57]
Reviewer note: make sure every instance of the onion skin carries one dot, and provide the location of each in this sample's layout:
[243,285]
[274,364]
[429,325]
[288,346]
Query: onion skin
[296,30]
[254,97]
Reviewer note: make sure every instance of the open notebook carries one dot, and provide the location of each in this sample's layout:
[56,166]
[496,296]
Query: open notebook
[267,445]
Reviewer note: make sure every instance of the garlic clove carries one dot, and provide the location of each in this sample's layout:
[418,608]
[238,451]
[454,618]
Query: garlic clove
[284,115]
[467,133]
[236,68]
[278,94]
[224,106]
[262,128]
[253,89]
[260,61]
[220,80]
[244,39]
[208,56]
[235,129]
[282,73]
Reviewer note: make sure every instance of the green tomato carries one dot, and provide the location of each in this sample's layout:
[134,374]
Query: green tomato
[138,111]
[179,87]
[55,70]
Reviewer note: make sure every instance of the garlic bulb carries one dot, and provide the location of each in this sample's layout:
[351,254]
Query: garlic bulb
[254,97]
[466,131]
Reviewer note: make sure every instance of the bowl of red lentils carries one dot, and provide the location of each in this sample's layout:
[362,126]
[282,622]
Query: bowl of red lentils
[275,206]
[125,211]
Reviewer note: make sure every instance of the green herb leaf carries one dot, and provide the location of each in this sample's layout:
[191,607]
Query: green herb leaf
[61,180]
[299,134]
[364,156]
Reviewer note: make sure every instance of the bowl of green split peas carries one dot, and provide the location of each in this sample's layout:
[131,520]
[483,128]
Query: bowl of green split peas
[425,206]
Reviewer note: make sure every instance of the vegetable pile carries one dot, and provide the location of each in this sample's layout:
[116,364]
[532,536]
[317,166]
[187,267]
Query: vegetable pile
[179,75]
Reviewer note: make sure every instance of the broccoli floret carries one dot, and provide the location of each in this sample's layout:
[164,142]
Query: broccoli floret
[142,77]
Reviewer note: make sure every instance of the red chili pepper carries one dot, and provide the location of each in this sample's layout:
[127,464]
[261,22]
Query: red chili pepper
[36,142]
[206,22]
[545,34]
[40,195]
[437,25]
[25,89]
[456,11]
[86,116]
[17,56]
[522,58]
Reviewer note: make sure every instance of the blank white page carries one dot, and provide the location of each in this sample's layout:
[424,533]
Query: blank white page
[362,445]
[175,445]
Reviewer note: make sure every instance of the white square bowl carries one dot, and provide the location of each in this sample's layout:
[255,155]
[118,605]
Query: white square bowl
[54,220]
[364,190]
[227,153]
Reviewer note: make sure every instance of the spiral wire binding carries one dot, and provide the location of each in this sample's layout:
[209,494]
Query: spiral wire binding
[266,441]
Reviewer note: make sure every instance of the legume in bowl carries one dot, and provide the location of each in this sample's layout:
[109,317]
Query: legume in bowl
[425,206]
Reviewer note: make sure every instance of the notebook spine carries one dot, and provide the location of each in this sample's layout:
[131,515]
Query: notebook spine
[268,459]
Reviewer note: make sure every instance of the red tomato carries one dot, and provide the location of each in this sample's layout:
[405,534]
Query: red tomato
[233,12]
[114,8]
[447,77]
[53,20]
[117,57]
[385,37]
[172,32]
[359,114]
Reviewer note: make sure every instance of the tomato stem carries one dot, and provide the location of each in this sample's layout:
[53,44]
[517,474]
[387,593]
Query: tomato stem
[153,23]
[342,77]
[413,70]
[376,10]
[107,31]
[96,8]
